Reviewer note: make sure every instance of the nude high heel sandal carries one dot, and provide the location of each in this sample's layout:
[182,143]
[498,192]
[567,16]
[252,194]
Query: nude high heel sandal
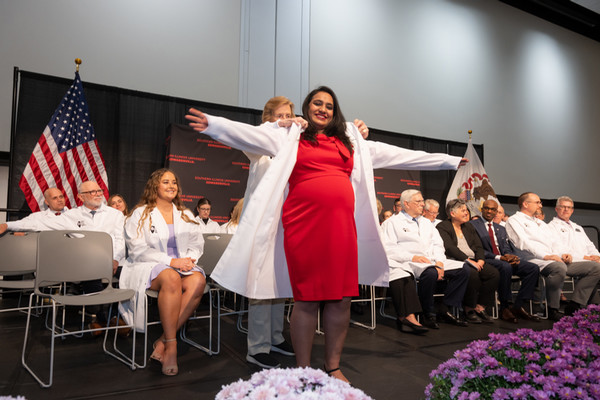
[169,370]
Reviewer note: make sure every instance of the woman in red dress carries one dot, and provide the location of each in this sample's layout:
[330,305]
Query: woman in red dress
[320,231]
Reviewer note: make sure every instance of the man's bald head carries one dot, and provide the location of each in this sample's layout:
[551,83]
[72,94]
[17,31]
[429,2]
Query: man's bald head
[54,199]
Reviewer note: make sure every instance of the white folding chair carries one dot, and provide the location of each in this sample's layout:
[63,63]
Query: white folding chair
[214,245]
[68,256]
[18,260]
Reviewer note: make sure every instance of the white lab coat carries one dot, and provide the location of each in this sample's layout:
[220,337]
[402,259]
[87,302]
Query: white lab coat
[210,227]
[532,235]
[31,222]
[254,263]
[404,238]
[574,239]
[149,248]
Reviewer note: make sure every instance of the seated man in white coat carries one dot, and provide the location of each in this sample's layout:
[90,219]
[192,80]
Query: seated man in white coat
[54,200]
[92,215]
[532,235]
[576,243]
[415,246]
[431,210]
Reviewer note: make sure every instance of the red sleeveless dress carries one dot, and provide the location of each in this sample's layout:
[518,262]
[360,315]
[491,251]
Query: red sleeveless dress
[318,220]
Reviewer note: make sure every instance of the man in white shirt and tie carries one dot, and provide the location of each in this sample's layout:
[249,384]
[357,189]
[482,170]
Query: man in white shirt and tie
[532,235]
[575,242]
[54,200]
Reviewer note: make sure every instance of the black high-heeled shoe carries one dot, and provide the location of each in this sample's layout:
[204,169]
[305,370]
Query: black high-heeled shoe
[408,327]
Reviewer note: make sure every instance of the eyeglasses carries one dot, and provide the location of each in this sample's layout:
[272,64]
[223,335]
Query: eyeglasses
[566,207]
[489,208]
[535,202]
[418,201]
[94,192]
[431,213]
[204,209]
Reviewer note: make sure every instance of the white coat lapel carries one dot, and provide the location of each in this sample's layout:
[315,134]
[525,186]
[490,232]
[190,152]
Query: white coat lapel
[161,229]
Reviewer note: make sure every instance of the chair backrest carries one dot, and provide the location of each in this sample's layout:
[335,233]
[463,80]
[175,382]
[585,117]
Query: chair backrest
[593,233]
[18,253]
[71,256]
[214,246]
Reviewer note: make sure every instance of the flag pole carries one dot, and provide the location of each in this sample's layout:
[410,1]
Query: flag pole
[470,131]
[78,62]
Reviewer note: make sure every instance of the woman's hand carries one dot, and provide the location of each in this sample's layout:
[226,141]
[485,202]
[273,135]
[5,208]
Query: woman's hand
[463,162]
[198,120]
[477,264]
[362,128]
[286,123]
[183,264]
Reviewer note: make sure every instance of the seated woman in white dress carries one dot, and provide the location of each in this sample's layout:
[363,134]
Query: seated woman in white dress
[164,243]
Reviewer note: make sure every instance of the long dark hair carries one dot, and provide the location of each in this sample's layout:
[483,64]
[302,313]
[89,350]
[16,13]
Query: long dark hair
[335,128]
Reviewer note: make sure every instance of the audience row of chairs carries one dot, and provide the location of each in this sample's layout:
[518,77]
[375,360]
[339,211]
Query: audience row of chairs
[46,262]
[52,258]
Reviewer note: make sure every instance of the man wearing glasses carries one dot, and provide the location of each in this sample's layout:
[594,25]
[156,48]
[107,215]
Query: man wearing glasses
[92,215]
[431,210]
[576,243]
[500,253]
[532,235]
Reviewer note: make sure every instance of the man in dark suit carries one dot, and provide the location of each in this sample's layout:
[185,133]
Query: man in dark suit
[500,253]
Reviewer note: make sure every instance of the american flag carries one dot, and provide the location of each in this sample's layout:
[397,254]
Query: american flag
[66,154]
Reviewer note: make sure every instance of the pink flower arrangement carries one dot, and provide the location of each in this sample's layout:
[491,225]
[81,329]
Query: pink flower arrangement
[559,363]
[290,384]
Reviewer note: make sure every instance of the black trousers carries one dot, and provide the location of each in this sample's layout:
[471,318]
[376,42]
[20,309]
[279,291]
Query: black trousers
[456,280]
[482,286]
[528,272]
[404,296]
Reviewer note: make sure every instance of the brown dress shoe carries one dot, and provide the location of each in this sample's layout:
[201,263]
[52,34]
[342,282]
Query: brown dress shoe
[96,325]
[121,331]
[522,314]
[508,316]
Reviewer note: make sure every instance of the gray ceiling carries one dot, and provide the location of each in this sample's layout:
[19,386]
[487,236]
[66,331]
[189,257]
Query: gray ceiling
[581,16]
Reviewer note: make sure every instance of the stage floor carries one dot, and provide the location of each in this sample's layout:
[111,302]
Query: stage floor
[385,363]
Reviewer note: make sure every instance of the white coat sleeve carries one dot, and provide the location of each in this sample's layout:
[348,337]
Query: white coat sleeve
[385,155]
[118,239]
[437,247]
[265,139]
[29,223]
[138,244]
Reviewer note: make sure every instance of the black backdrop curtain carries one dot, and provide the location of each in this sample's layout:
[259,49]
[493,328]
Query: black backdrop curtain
[131,130]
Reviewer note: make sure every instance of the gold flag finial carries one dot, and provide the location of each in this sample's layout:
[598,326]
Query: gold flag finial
[78,62]
[470,132]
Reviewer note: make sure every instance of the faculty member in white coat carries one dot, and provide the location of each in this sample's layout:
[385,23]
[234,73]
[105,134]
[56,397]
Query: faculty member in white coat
[414,246]
[164,243]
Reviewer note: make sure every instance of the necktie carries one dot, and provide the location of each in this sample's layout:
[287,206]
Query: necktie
[57,213]
[92,212]
[491,233]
